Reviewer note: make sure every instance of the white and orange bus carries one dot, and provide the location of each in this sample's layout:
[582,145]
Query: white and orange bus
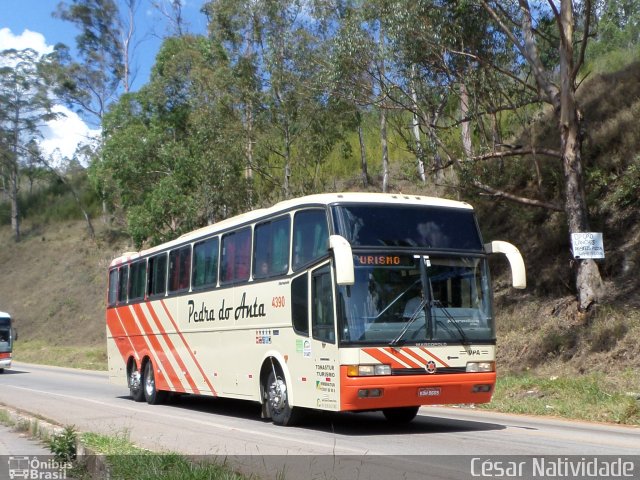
[341,302]
[7,334]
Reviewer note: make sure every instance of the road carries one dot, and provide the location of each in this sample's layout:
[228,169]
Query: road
[335,445]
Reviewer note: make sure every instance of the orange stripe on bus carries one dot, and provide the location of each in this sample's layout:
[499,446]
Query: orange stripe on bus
[117,332]
[132,332]
[433,356]
[184,341]
[421,361]
[173,350]
[396,353]
[140,345]
[382,357]
[158,350]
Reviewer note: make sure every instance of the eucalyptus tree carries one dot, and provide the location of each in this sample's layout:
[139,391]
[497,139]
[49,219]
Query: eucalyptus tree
[101,69]
[361,76]
[556,84]
[234,30]
[26,106]
[173,151]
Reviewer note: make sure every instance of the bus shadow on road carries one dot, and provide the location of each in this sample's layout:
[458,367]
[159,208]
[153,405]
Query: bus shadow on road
[348,424]
[12,371]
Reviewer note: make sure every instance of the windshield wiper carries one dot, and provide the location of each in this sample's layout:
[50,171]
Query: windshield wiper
[463,336]
[409,322]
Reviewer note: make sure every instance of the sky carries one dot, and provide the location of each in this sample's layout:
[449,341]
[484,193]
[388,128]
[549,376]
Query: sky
[30,24]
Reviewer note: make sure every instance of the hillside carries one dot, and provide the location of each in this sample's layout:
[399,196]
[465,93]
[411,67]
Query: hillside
[54,280]
[53,284]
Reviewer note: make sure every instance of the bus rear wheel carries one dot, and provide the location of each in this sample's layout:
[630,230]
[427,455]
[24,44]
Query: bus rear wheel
[151,393]
[400,415]
[277,400]
[134,381]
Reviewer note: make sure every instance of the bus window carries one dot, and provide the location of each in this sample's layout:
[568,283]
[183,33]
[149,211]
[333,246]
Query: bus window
[300,304]
[310,237]
[113,287]
[271,248]
[236,256]
[123,284]
[137,280]
[205,263]
[179,269]
[158,275]
[322,306]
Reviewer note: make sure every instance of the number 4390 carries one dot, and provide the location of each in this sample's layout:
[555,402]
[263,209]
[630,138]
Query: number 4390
[278,302]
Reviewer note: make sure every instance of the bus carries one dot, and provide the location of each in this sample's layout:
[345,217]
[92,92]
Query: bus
[7,336]
[338,302]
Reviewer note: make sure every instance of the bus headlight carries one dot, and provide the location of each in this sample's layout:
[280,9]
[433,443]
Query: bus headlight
[368,370]
[474,367]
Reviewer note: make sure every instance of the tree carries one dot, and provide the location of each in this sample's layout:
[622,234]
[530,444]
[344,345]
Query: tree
[174,153]
[560,93]
[105,46]
[25,107]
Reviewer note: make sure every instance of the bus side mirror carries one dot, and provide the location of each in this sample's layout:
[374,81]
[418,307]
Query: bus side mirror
[518,273]
[15,335]
[343,260]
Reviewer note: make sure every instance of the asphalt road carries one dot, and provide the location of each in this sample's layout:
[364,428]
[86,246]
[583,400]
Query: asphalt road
[440,443]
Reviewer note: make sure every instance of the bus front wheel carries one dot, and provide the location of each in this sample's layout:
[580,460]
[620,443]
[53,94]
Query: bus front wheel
[277,400]
[400,415]
[151,393]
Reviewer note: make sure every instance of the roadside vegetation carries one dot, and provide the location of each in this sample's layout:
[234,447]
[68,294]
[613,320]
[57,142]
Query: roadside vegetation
[125,461]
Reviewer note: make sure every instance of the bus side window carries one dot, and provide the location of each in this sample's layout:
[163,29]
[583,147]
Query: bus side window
[235,262]
[157,275]
[322,323]
[138,276]
[179,269]
[205,263]
[113,287]
[271,248]
[300,304]
[310,237]
[123,284]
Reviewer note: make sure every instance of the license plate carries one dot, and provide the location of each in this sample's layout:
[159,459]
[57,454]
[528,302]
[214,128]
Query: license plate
[429,391]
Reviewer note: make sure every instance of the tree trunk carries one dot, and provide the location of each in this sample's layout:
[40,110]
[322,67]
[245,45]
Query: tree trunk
[385,149]
[287,166]
[416,127]
[466,125]
[363,159]
[15,210]
[588,281]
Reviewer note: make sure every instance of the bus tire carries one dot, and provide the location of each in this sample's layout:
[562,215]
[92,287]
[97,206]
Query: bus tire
[134,382]
[151,393]
[277,400]
[1,370]
[400,415]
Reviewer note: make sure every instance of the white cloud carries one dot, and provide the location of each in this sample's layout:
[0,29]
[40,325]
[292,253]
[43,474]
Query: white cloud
[61,136]
[65,133]
[27,39]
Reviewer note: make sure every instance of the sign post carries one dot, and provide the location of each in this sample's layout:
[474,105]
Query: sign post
[587,245]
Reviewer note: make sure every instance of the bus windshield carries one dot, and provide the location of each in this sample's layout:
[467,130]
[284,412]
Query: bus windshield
[5,334]
[412,226]
[415,299]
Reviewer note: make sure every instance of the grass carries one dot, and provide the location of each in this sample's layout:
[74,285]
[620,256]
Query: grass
[38,351]
[588,397]
[126,461]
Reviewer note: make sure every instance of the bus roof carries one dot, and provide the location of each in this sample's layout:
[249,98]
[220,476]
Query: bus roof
[4,315]
[310,200]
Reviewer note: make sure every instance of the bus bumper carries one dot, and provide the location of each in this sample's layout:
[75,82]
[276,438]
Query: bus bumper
[5,360]
[375,393]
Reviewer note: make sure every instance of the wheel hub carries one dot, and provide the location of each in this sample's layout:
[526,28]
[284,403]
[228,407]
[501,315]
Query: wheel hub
[277,394]
[134,380]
